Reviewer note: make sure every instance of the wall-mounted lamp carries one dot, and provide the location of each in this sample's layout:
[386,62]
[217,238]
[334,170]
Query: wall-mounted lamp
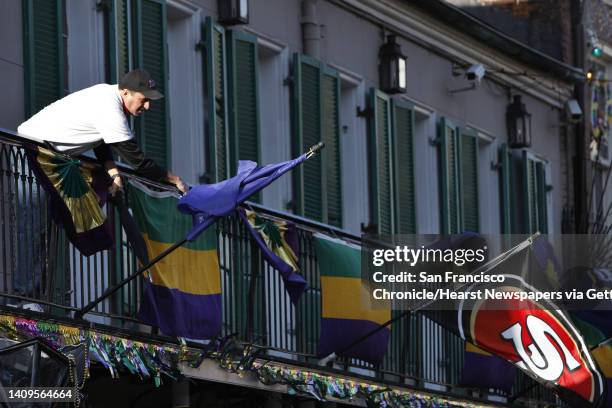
[518,121]
[392,67]
[233,12]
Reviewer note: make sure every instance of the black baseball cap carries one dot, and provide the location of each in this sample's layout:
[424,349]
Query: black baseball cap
[139,80]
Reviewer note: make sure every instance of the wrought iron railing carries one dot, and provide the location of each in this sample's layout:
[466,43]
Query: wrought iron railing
[38,265]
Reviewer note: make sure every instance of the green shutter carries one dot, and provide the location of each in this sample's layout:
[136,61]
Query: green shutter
[505,172]
[217,129]
[542,190]
[307,132]
[44,53]
[403,137]
[449,177]
[331,154]
[243,101]
[151,50]
[381,175]
[315,109]
[119,40]
[468,148]
[530,194]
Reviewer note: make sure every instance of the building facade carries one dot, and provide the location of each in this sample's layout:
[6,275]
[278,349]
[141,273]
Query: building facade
[435,159]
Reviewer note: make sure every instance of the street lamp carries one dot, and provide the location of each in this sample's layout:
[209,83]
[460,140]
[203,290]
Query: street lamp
[518,121]
[233,11]
[392,67]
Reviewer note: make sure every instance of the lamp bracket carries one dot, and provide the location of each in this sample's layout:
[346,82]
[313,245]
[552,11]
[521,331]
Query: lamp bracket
[495,166]
[459,90]
[434,141]
[366,112]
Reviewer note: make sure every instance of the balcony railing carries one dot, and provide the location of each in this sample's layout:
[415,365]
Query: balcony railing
[38,265]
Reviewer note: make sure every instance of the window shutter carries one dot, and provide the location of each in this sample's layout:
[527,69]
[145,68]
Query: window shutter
[449,177]
[307,132]
[315,108]
[542,191]
[505,171]
[243,107]
[468,147]
[217,129]
[381,175]
[403,136]
[44,53]
[530,194]
[331,154]
[119,40]
[153,127]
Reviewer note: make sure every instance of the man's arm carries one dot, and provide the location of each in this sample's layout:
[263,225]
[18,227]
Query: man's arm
[131,153]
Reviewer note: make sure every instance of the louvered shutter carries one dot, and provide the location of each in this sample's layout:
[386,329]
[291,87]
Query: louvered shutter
[315,109]
[542,191]
[331,154]
[243,98]
[119,40]
[449,177]
[403,137]
[530,194]
[307,132]
[152,128]
[44,52]
[468,146]
[216,86]
[505,172]
[381,175]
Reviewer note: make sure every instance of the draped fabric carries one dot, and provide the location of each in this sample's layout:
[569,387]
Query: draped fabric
[346,315]
[182,292]
[76,192]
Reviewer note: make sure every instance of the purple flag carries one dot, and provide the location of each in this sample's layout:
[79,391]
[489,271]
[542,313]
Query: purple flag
[209,201]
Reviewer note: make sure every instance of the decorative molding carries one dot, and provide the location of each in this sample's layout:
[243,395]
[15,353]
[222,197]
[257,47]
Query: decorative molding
[267,42]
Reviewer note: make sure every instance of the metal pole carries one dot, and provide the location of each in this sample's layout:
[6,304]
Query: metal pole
[130,278]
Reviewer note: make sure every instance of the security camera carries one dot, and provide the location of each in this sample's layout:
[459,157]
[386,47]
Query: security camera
[475,72]
[573,111]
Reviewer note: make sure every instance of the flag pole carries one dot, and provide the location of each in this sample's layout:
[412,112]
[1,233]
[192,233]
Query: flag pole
[79,313]
[205,224]
[484,268]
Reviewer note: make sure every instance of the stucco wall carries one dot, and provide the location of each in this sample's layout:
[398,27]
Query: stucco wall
[350,42]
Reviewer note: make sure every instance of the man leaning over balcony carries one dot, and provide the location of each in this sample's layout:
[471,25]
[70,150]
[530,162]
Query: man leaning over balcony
[97,118]
[93,118]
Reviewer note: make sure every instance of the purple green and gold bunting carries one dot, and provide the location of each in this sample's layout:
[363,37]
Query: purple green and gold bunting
[76,190]
[277,240]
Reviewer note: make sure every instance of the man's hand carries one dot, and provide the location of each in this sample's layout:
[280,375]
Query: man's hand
[117,184]
[176,180]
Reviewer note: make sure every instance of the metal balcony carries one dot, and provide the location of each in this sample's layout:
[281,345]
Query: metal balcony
[40,270]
